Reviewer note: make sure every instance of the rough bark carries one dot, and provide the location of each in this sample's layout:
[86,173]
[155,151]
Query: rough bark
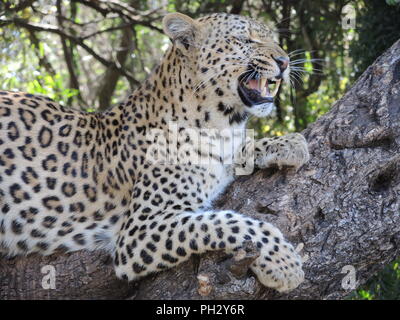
[343,207]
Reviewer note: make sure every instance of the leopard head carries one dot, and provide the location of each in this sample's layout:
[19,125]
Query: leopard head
[233,61]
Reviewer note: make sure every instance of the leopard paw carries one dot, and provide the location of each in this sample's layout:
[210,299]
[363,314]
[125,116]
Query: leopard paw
[289,150]
[279,267]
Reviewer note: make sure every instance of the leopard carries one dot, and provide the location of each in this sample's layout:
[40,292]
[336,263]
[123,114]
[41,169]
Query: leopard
[73,180]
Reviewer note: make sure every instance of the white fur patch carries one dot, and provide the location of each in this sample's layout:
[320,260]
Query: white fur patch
[262,110]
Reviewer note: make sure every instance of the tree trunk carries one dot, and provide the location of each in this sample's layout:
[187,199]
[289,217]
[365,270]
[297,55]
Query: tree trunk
[111,76]
[342,207]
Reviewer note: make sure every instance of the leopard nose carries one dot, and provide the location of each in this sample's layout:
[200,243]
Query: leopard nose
[282,62]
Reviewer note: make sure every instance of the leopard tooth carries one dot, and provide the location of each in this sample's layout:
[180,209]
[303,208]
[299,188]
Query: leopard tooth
[263,81]
[264,92]
[277,85]
[263,88]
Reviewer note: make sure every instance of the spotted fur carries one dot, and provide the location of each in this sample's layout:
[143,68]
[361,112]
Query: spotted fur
[71,180]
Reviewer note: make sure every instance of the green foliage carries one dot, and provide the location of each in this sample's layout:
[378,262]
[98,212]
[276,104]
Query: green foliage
[378,27]
[20,69]
[383,286]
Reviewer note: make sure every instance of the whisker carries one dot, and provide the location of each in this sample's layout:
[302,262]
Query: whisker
[297,78]
[297,51]
[296,54]
[312,71]
[297,61]
[301,51]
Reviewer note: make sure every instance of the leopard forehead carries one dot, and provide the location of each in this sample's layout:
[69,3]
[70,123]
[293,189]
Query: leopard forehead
[229,25]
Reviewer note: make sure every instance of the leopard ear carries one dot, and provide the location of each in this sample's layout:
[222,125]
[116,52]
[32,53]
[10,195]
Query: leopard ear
[181,29]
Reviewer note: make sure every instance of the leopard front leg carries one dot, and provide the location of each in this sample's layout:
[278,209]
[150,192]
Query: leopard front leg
[171,237]
[288,150]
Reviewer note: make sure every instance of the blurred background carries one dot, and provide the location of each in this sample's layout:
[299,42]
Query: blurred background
[90,54]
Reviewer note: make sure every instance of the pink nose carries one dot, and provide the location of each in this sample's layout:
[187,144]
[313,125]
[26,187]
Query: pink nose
[282,62]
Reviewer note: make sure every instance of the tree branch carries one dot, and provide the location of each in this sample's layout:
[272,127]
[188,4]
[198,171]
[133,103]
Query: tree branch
[68,56]
[78,41]
[125,11]
[111,77]
[342,207]
[237,6]
[20,6]
[43,61]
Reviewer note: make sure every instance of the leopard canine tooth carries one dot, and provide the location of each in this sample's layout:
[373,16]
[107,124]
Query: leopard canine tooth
[263,81]
[263,88]
[278,83]
[264,92]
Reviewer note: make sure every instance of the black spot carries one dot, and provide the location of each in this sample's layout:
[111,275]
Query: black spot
[68,189]
[79,238]
[114,219]
[13,131]
[16,227]
[90,192]
[138,268]
[45,137]
[191,227]
[17,193]
[169,258]
[151,247]
[232,239]
[181,252]
[42,245]
[9,153]
[219,92]
[123,259]
[147,259]
[49,221]
[22,245]
[168,244]
[220,233]
[182,236]
[53,202]
[51,183]
[49,164]
[37,234]
[193,245]
[5,208]
[235,229]
[77,207]
[63,148]
[267,233]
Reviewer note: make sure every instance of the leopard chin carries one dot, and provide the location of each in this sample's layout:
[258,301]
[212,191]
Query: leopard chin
[262,110]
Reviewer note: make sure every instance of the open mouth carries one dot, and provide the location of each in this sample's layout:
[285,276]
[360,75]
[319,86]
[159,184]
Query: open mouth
[257,89]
